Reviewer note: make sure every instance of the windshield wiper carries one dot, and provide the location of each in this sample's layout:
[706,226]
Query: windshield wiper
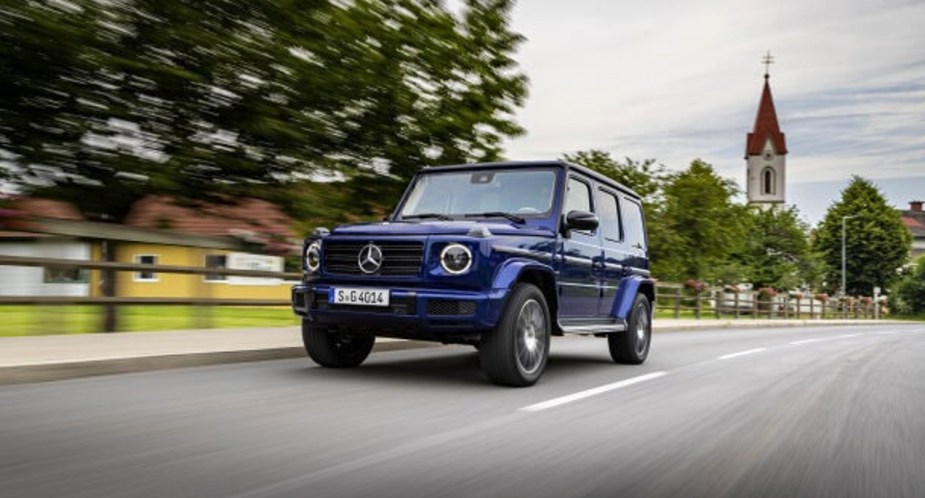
[436,216]
[495,214]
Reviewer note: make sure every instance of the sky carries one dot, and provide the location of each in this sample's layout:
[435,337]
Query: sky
[675,81]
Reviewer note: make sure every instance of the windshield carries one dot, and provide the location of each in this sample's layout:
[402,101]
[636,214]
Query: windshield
[487,192]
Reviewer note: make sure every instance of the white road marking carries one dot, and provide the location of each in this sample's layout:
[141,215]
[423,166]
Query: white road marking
[741,353]
[806,341]
[845,336]
[591,392]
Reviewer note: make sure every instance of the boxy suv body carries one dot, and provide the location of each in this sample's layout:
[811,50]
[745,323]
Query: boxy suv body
[500,256]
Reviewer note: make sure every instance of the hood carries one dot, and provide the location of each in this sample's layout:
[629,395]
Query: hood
[387,228]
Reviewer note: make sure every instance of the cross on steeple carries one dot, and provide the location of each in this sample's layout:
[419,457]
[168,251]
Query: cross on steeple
[767,60]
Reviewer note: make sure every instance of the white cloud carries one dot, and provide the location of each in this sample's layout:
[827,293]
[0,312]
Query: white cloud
[676,81]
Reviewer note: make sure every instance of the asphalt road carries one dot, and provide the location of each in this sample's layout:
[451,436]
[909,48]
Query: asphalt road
[821,411]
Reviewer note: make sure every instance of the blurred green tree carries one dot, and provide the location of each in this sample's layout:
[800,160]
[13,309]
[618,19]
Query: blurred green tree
[645,177]
[103,102]
[877,243]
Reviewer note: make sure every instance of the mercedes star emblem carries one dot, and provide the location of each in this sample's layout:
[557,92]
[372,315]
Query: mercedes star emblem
[370,258]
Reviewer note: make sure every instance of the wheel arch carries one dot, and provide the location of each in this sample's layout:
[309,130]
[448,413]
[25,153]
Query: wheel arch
[629,288]
[531,272]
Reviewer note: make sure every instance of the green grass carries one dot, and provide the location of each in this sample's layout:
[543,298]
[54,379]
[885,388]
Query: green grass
[74,319]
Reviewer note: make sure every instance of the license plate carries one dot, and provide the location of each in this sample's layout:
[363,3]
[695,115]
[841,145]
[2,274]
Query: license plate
[360,296]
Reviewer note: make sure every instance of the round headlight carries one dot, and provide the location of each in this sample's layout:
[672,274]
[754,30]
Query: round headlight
[456,259]
[313,256]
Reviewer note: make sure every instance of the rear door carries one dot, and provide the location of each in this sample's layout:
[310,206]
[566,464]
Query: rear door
[617,253]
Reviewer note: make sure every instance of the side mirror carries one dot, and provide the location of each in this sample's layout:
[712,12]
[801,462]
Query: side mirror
[581,220]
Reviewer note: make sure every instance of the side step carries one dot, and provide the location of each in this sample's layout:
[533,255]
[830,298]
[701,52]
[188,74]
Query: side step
[592,327]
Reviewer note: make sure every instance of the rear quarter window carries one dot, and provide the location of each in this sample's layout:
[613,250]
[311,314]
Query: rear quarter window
[633,225]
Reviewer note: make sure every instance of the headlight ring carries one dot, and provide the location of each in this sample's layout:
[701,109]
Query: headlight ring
[313,256]
[456,259]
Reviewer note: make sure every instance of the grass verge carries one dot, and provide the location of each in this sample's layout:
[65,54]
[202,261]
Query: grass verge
[81,319]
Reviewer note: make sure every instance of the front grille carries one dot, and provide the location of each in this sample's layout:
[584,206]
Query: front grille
[398,258]
[450,307]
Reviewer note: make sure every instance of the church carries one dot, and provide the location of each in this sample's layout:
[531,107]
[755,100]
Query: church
[766,152]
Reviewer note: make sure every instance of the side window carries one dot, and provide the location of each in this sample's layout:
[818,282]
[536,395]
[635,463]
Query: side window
[633,225]
[577,196]
[609,213]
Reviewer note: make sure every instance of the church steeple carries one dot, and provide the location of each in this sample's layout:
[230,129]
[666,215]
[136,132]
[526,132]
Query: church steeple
[765,150]
[766,125]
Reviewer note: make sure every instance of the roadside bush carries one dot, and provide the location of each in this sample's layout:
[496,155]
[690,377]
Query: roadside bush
[909,292]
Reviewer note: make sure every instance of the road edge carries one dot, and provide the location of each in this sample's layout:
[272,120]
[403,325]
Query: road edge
[48,372]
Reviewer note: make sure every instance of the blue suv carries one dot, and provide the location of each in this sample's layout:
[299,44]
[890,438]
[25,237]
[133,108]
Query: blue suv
[500,256]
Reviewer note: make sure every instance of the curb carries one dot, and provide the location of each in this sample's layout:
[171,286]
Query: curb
[77,369]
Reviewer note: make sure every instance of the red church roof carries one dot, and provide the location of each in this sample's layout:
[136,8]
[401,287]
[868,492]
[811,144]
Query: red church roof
[766,126]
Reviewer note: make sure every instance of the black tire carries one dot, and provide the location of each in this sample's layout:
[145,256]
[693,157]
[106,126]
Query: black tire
[334,349]
[516,351]
[632,346]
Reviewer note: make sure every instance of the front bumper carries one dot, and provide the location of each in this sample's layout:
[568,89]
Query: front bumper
[412,312]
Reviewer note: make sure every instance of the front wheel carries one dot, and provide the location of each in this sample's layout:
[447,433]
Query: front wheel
[335,349]
[516,351]
[632,346]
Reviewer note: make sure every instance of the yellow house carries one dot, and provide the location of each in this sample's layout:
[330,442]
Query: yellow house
[204,235]
[174,285]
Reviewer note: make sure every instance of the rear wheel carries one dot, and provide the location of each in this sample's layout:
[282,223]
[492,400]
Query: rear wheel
[632,346]
[335,349]
[516,351]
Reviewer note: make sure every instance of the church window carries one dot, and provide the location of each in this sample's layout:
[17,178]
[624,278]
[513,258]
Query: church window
[767,181]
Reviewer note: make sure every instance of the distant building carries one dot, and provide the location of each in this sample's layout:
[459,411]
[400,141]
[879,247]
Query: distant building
[766,153]
[250,221]
[252,235]
[914,219]
[37,281]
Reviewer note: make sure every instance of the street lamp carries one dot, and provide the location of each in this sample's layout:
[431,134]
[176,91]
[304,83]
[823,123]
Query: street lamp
[844,291]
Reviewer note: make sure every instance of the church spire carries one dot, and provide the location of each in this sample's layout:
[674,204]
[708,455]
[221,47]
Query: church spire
[766,126]
[766,151]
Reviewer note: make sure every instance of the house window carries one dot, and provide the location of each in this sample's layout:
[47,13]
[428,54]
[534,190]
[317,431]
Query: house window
[216,261]
[768,181]
[64,275]
[147,275]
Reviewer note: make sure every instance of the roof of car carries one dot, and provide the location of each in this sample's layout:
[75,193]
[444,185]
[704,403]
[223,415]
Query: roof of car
[528,164]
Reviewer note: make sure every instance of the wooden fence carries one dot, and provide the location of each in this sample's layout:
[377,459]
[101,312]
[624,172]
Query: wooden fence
[678,300]
[674,300]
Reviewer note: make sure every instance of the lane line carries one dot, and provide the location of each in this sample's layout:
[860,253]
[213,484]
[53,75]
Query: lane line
[591,392]
[845,336]
[742,353]
[806,341]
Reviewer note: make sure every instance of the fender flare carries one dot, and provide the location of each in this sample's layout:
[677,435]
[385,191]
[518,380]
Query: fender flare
[510,272]
[626,294]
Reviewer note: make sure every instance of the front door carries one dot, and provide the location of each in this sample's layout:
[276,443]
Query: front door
[580,258]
